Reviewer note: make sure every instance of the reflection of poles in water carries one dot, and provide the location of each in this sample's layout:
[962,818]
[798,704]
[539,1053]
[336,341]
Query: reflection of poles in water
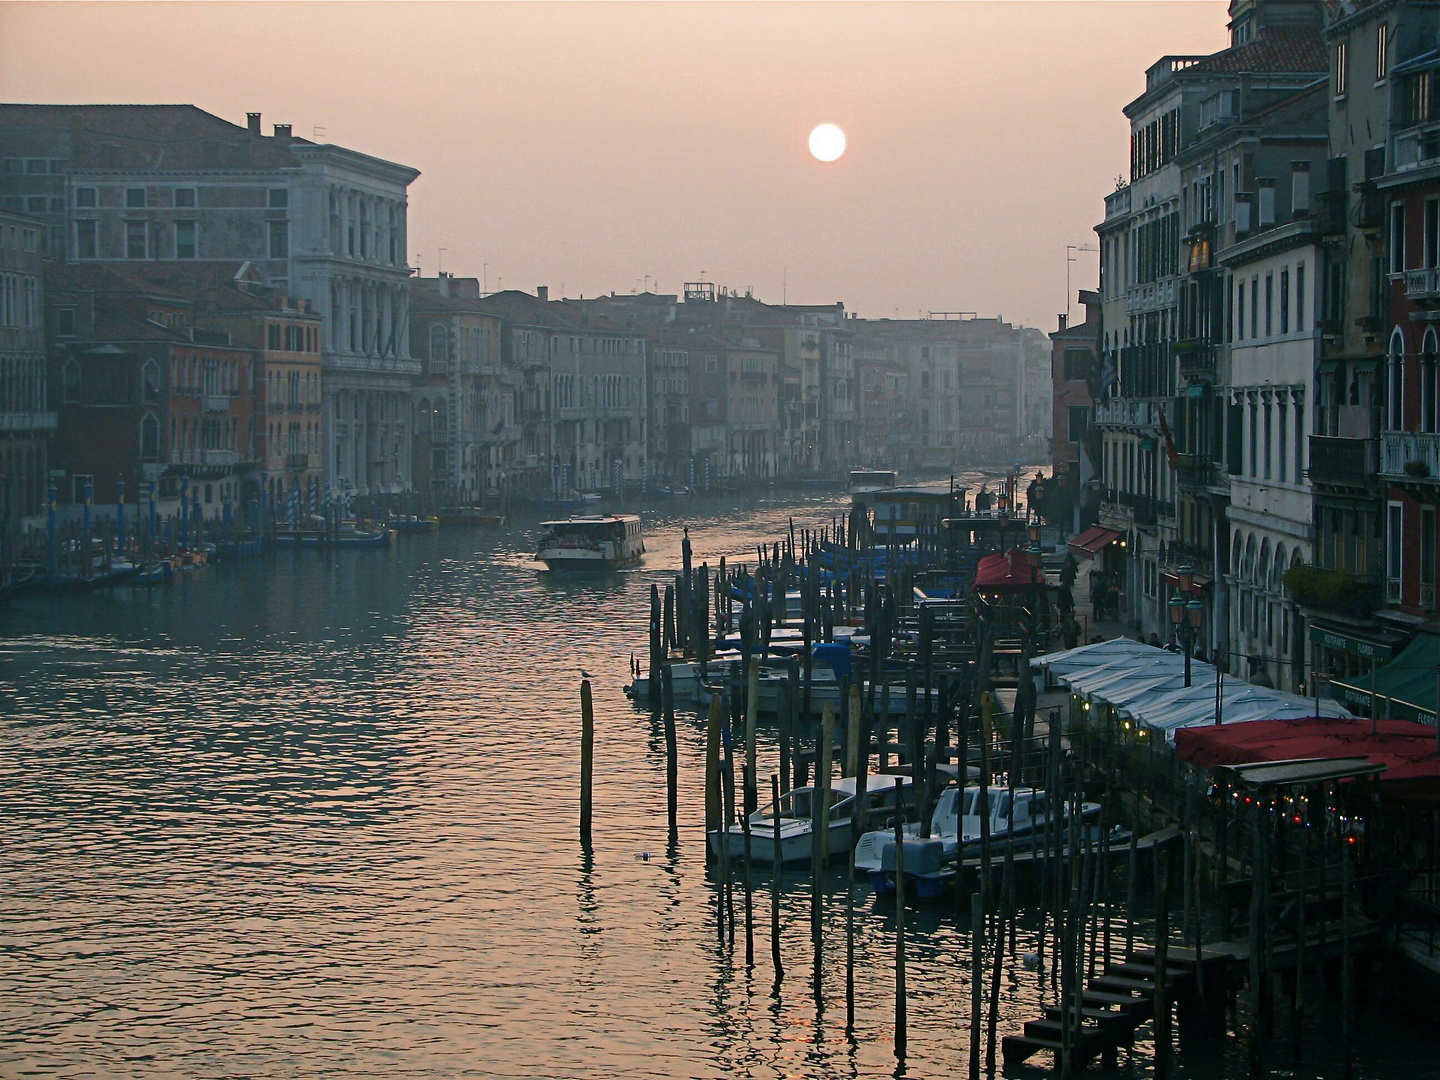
[776,863]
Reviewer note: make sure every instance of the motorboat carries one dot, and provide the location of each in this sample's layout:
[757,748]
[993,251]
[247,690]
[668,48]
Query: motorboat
[476,516]
[409,523]
[798,812]
[864,481]
[601,542]
[955,834]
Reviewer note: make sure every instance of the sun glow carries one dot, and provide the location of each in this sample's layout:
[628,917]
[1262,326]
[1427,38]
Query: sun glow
[827,142]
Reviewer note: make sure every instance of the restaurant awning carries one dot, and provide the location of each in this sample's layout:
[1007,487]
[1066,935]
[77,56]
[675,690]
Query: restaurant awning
[1405,749]
[1378,645]
[1007,572]
[1092,540]
[1405,688]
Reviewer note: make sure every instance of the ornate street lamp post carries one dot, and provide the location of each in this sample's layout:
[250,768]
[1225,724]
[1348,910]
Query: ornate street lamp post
[1185,617]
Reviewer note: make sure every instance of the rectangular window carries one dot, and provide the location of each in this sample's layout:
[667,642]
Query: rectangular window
[184,198]
[1341,63]
[1285,301]
[1431,252]
[1397,238]
[1300,297]
[134,198]
[1240,311]
[279,198]
[1394,549]
[279,239]
[36,166]
[1282,442]
[1254,305]
[85,198]
[1382,52]
[184,239]
[85,247]
[1269,304]
[36,204]
[1078,417]
[1299,188]
[1427,556]
[134,239]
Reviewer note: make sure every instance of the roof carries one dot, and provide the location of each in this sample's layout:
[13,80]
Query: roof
[1405,687]
[1276,49]
[213,286]
[1010,571]
[153,137]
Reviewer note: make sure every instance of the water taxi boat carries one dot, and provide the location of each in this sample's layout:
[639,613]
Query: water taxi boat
[864,481]
[955,834]
[797,815]
[602,542]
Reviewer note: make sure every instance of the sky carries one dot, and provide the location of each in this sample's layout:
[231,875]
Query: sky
[598,148]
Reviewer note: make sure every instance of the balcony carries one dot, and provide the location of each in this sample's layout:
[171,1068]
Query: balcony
[27,421]
[1197,359]
[298,462]
[216,402]
[1416,148]
[1126,412]
[217,457]
[1410,456]
[1117,203]
[1350,463]
[1330,212]
[1332,590]
[1194,471]
[1423,286]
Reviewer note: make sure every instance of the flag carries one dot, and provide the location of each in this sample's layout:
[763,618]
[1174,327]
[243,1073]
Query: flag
[1169,442]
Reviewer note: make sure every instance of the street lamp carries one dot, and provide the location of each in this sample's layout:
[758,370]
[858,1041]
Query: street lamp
[1186,617]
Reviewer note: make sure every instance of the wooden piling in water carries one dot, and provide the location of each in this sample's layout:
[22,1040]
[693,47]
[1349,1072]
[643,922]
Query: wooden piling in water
[900,1015]
[672,752]
[775,869]
[713,810]
[587,760]
[977,962]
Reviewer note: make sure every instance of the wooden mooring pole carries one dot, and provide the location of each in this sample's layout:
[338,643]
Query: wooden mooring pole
[587,759]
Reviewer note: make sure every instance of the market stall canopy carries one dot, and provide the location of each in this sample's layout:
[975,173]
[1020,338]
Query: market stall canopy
[1405,749]
[1089,542]
[1405,688]
[1147,685]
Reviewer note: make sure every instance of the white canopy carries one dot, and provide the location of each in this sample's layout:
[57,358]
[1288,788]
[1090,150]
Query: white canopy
[1147,685]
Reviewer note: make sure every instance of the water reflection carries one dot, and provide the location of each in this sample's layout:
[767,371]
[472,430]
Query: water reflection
[319,815]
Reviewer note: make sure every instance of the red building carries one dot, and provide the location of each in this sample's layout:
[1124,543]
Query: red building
[144,395]
[1409,452]
[1075,380]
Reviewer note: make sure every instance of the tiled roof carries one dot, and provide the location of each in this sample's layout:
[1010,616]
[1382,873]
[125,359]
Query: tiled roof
[152,137]
[1277,49]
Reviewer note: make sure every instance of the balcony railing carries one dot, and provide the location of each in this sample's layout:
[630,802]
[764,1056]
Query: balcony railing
[1347,462]
[216,402]
[217,457]
[1194,471]
[1422,286]
[297,461]
[1125,412]
[1196,357]
[1413,455]
[27,421]
[1417,147]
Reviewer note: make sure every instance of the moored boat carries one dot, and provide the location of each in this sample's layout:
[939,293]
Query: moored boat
[797,814]
[956,834]
[600,542]
[864,481]
[476,516]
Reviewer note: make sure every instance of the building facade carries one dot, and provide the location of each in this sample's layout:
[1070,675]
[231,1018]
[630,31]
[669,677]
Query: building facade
[26,422]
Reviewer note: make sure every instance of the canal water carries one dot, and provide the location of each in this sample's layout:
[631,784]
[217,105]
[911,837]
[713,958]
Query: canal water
[317,816]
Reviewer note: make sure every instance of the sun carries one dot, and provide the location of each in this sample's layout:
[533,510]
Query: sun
[827,142]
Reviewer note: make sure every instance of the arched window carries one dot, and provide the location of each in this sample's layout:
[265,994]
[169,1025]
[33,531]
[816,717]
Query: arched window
[1277,568]
[439,349]
[1247,566]
[149,437]
[150,383]
[1262,568]
[438,411]
[1395,383]
[72,379]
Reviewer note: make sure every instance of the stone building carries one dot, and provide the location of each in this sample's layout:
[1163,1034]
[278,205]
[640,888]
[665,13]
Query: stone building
[25,420]
[137,183]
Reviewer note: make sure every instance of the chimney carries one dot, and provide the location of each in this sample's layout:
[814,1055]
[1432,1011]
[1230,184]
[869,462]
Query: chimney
[444,282]
[282,132]
[252,121]
[543,292]
[1064,321]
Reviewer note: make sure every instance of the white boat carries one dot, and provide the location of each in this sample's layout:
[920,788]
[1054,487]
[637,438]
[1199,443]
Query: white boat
[883,792]
[955,834]
[684,678]
[601,542]
[864,481]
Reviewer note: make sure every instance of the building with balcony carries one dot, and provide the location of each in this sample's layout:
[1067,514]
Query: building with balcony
[1191,188]
[145,397]
[26,422]
[465,399]
[128,184]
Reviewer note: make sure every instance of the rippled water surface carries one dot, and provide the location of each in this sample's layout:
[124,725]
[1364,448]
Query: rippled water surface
[317,815]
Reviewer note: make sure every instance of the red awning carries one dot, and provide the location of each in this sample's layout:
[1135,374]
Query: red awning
[1406,749]
[1092,540]
[1010,571]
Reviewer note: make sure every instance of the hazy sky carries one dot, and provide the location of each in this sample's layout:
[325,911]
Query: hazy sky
[586,146]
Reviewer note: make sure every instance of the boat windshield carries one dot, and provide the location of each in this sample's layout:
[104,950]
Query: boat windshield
[801,804]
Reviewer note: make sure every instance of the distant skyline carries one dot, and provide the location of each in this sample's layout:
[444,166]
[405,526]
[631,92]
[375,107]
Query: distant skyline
[603,147]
